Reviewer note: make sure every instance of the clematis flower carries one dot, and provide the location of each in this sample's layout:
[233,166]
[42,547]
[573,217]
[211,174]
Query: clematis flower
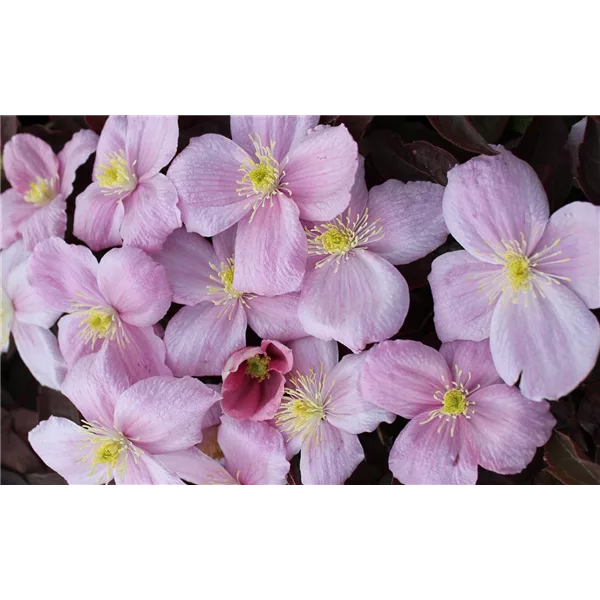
[125,426]
[322,412]
[254,454]
[26,315]
[523,280]
[352,292]
[130,202]
[34,208]
[253,381]
[272,174]
[462,415]
[115,302]
[212,324]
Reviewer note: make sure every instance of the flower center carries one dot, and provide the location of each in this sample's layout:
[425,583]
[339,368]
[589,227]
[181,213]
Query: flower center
[98,322]
[115,176]
[258,367]
[517,270]
[108,452]
[41,192]
[454,403]
[336,240]
[6,315]
[229,295]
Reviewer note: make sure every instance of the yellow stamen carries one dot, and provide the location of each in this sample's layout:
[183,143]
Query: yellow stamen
[98,322]
[454,402]
[115,176]
[229,295]
[258,367]
[517,270]
[41,192]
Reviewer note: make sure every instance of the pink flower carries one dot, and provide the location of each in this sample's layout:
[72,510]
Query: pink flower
[352,292]
[212,325]
[271,175]
[523,280]
[115,303]
[462,414]
[28,318]
[322,412]
[254,454]
[130,202]
[253,381]
[125,425]
[34,208]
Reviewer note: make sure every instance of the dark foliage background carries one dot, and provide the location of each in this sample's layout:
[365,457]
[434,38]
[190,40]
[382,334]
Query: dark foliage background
[394,147]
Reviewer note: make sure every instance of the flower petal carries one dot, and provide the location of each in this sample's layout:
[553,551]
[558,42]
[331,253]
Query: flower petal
[44,223]
[270,251]
[312,353]
[506,428]
[135,285]
[194,466]
[411,217]
[365,301]
[164,414]
[98,218]
[200,338]
[144,470]
[205,175]
[112,139]
[577,226]
[15,211]
[224,244]
[321,171]
[462,306]
[551,341]
[74,153]
[70,338]
[402,375]
[494,199]
[275,317]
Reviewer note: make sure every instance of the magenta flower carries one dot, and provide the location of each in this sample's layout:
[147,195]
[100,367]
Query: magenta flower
[523,280]
[115,302]
[212,325]
[254,454]
[462,415]
[253,381]
[125,427]
[130,202]
[272,174]
[352,292]
[322,412]
[25,314]
[34,208]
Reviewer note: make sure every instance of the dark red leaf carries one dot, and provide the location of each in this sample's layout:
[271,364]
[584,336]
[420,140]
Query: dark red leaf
[429,159]
[95,123]
[356,125]
[460,131]
[588,173]
[567,464]
[490,128]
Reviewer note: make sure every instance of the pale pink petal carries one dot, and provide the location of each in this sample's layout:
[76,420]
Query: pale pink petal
[206,175]
[195,467]
[321,172]
[270,251]
[254,452]
[576,258]
[422,455]
[402,376]
[10,259]
[112,139]
[38,348]
[186,258]
[494,199]
[25,158]
[347,409]
[58,442]
[224,244]
[333,459]
[135,285]
[143,354]
[275,317]
[70,338]
[411,217]
[475,361]
[506,429]
[551,341]
[462,289]
[46,222]
[98,218]
[200,338]
[75,152]
[15,211]
[213,417]
[144,470]
[285,131]
[312,353]
[164,414]
[359,195]
[365,301]
[64,274]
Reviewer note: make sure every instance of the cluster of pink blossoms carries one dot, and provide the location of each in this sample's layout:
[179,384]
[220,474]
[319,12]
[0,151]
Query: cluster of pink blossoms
[303,254]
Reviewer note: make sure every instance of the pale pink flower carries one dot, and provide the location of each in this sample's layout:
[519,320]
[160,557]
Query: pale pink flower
[462,415]
[253,454]
[253,381]
[26,315]
[125,426]
[524,280]
[352,292]
[115,302]
[272,174]
[212,325]
[35,207]
[130,201]
[322,412]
